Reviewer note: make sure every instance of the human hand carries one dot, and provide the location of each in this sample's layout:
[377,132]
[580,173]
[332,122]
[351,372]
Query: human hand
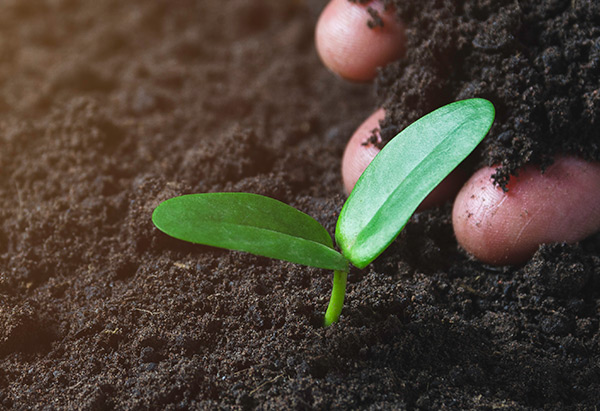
[562,204]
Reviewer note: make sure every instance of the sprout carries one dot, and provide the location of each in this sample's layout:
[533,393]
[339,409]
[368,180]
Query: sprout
[406,170]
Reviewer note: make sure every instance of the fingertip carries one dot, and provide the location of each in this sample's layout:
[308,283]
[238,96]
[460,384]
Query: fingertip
[360,151]
[348,47]
[507,228]
[478,227]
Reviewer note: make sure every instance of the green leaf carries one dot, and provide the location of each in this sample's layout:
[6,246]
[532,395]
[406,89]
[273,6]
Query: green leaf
[249,222]
[408,168]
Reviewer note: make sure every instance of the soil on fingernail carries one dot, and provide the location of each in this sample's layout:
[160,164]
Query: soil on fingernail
[109,107]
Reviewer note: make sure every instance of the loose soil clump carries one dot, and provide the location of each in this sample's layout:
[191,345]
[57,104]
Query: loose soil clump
[537,61]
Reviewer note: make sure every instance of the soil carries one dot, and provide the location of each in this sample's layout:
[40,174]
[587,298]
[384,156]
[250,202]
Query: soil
[109,107]
[537,61]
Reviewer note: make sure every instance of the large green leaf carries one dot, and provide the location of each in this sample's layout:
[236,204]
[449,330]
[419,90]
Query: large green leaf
[408,168]
[251,223]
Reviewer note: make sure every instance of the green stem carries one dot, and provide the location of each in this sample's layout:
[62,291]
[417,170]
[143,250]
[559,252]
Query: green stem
[337,298]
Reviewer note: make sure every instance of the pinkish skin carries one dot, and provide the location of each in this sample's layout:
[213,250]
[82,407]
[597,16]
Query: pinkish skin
[351,49]
[563,204]
[496,227]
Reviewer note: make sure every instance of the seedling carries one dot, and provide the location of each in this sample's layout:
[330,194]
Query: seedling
[406,170]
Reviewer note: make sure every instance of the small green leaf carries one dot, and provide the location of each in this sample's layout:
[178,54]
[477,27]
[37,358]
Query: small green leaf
[249,222]
[408,168]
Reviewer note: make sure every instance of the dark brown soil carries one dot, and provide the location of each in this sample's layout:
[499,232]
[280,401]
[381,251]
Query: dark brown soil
[537,61]
[109,107]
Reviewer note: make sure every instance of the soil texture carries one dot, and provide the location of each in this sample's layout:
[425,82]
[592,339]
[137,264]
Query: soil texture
[109,107]
[537,61]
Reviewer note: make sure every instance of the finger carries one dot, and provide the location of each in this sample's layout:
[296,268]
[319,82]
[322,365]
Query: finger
[348,47]
[360,151]
[563,204]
